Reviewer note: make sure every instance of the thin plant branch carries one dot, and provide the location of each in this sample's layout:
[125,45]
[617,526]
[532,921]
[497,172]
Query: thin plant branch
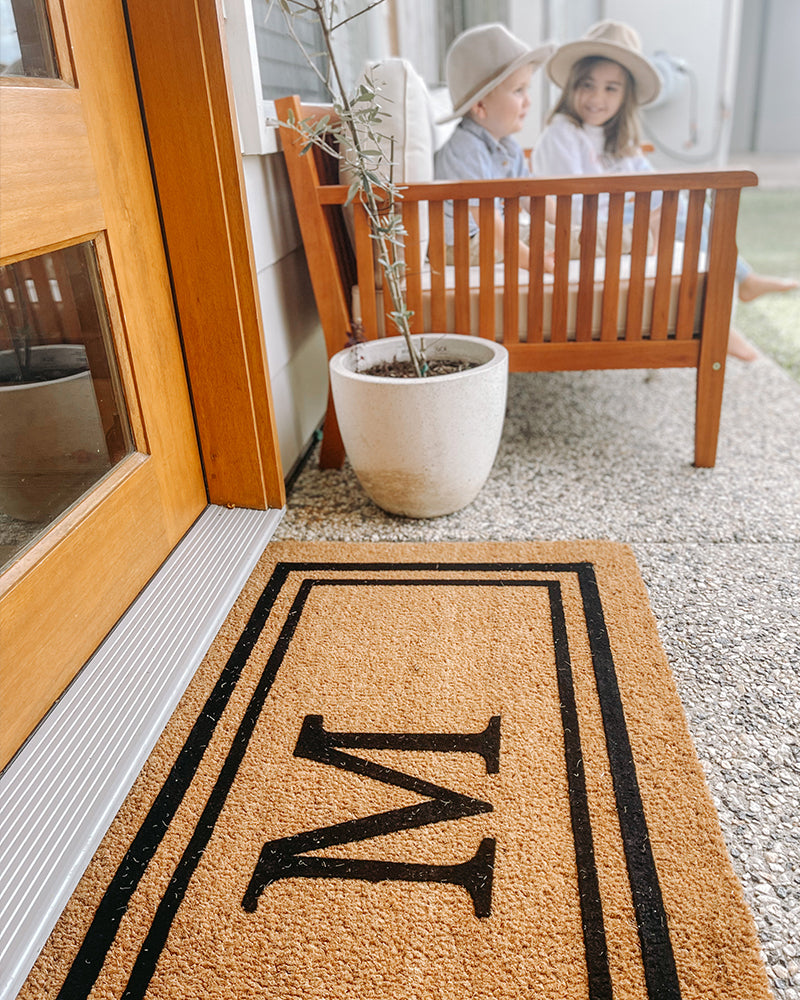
[357,127]
[358,13]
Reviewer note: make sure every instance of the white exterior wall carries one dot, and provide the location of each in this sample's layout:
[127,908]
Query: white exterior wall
[295,346]
[767,115]
[528,22]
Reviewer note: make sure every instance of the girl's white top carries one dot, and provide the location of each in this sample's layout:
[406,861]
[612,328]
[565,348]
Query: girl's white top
[565,148]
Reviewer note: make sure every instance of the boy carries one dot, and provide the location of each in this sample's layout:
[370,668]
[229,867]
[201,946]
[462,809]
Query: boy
[488,73]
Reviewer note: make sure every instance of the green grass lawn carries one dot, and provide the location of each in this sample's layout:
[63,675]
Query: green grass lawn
[769,239]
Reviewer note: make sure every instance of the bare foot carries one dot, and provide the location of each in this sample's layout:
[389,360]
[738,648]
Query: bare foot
[762,284]
[549,262]
[739,348]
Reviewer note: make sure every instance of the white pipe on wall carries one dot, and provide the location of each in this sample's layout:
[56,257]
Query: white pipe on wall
[728,77]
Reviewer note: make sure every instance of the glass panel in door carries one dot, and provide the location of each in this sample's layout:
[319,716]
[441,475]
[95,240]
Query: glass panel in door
[63,423]
[26,46]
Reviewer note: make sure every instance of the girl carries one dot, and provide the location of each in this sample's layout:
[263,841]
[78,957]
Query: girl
[594,129]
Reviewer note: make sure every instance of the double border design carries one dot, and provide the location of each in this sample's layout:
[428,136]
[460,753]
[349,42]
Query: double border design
[656,948]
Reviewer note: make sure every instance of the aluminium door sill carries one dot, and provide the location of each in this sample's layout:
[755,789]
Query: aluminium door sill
[60,793]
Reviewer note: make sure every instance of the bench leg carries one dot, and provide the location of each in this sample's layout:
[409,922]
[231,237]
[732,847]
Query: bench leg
[710,383]
[331,453]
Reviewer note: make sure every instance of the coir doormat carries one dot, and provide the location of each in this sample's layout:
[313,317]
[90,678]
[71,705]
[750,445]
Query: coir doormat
[419,771]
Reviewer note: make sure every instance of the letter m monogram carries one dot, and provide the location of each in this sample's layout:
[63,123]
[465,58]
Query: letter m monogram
[287,857]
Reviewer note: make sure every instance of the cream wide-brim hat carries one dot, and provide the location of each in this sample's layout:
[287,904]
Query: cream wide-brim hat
[608,40]
[480,59]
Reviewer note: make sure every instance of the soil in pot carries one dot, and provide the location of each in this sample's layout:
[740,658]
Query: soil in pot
[397,368]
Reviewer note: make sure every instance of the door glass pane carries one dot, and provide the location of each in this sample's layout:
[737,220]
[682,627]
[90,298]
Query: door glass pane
[63,423]
[26,47]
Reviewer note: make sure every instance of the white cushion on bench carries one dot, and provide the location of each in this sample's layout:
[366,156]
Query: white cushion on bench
[405,135]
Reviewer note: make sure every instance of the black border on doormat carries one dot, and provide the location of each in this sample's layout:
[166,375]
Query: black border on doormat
[656,947]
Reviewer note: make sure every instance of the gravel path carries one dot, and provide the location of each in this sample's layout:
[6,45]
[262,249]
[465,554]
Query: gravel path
[608,455]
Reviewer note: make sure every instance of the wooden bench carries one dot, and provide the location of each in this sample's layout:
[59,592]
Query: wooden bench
[668,310]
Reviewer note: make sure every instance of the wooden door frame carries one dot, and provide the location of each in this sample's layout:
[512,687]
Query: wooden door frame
[186,94]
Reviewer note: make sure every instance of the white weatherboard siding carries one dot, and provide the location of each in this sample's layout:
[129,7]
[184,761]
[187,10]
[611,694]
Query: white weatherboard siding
[295,346]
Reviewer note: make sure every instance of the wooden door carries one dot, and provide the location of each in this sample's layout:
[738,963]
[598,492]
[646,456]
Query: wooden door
[75,173]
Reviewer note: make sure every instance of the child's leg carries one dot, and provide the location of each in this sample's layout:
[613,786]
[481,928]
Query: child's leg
[740,348]
[752,285]
[575,241]
[549,242]
[474,252]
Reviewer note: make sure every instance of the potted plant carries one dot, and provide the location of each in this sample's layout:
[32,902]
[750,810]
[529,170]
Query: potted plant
[420,415]
[52,444]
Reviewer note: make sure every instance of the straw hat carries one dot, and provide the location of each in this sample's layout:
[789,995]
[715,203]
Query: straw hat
[609,40]
[480,59]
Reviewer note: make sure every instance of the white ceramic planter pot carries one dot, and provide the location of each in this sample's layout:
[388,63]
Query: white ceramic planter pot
[52,444]
[421,447]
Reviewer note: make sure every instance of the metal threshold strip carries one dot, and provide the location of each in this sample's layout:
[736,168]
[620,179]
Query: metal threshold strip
[62,790]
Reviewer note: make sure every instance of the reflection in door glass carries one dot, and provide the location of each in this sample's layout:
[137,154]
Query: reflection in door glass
[63,423]
[26,47]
